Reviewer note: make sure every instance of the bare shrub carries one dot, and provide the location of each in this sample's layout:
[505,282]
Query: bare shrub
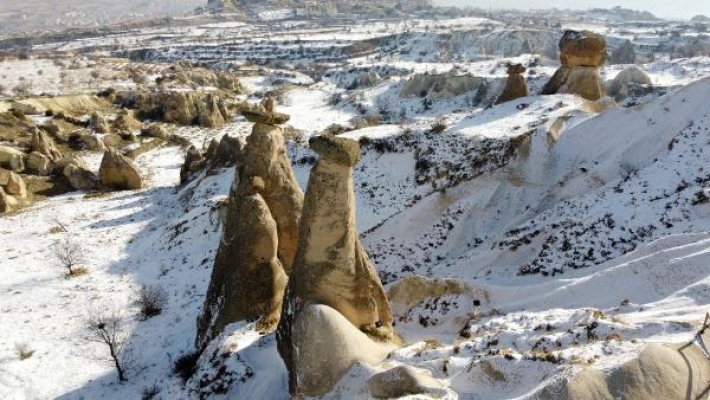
[70,255]
[106,326]
[23,351]
[152,299]
[150,392]
[186,365]
[438,126]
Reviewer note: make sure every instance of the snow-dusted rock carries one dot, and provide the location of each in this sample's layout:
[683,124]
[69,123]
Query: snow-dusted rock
[402,381]
[118,172]
[13,183]
[326,346]
[515,86]
[39,164]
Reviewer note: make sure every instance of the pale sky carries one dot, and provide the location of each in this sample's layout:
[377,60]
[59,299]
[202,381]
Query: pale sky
[661,8]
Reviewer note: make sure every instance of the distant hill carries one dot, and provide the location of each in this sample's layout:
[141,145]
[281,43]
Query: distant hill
[621,14]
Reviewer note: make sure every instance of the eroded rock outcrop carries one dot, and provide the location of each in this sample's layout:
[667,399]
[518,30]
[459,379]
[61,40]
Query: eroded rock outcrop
[403,381]
[42,144]
[182,108]
[331,269]
[118,172]
[12,190]
[515,86]
[260,236]
[582,54]
[12,159]
[627,82]
[661,371]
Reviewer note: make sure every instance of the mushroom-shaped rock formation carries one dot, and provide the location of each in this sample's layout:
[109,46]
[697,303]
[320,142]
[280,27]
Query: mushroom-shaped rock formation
[118,172]
[331,268]
[581,54]
[515,86]
[266,193]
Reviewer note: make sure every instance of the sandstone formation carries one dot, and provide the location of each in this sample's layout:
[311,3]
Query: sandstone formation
[581,55]
[12,190]
[660,372]
[440,86]
[194,161]
[403,381]
[515,86]
[331,268]
[183,108]
[260,236]
[626,82]
[118,172]
[12,159]
[80,177]
[83,139]
[42,144]
[126,122]
[39,164]
[328,346]
[99,123]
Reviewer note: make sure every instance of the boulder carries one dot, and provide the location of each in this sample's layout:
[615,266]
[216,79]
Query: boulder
[157,131]
[265,195]
[39,164]
[404,381]
[661,371]
[118,172]
[99,123]
[331,268]
[126,122]
[328,346]
[13,183]
[79,177]
[44,145]
[621,86]
[193,163]
[82,139]
[584,82]
[12,159]
[7,203]
[515,86]
[582,49]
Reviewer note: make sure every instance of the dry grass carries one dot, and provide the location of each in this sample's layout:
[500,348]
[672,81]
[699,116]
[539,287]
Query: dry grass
[76,272]
[23,351]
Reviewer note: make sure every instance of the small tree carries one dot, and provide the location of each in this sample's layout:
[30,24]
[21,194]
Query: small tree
[106,326]
[69,254]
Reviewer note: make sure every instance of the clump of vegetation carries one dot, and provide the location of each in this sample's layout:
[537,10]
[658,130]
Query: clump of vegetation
[438,126]
[186,365]
[152,299]
[23,351]
[150,392]
[70,255]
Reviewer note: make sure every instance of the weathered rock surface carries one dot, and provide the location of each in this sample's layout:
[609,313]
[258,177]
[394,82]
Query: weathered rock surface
[582,49]
[440,86]
[12,159]
[118,172]
[581,54]
[39,164]
[515,86]
[331,268]
[194,161]
[249,275]
[156,131]
[42,144]
[328,346]
[403,381]
[82,139]
[585,82]
[183,108]
[7,203]
[621,86]
[80,177]
[13,183]
[660,372]
[99,123]
[126,122]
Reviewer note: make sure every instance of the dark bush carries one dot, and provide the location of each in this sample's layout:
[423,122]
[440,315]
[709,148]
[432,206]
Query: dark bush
[152,299]
[186,365]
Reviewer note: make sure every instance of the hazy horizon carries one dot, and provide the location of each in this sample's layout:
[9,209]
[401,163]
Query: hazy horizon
[661,8]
